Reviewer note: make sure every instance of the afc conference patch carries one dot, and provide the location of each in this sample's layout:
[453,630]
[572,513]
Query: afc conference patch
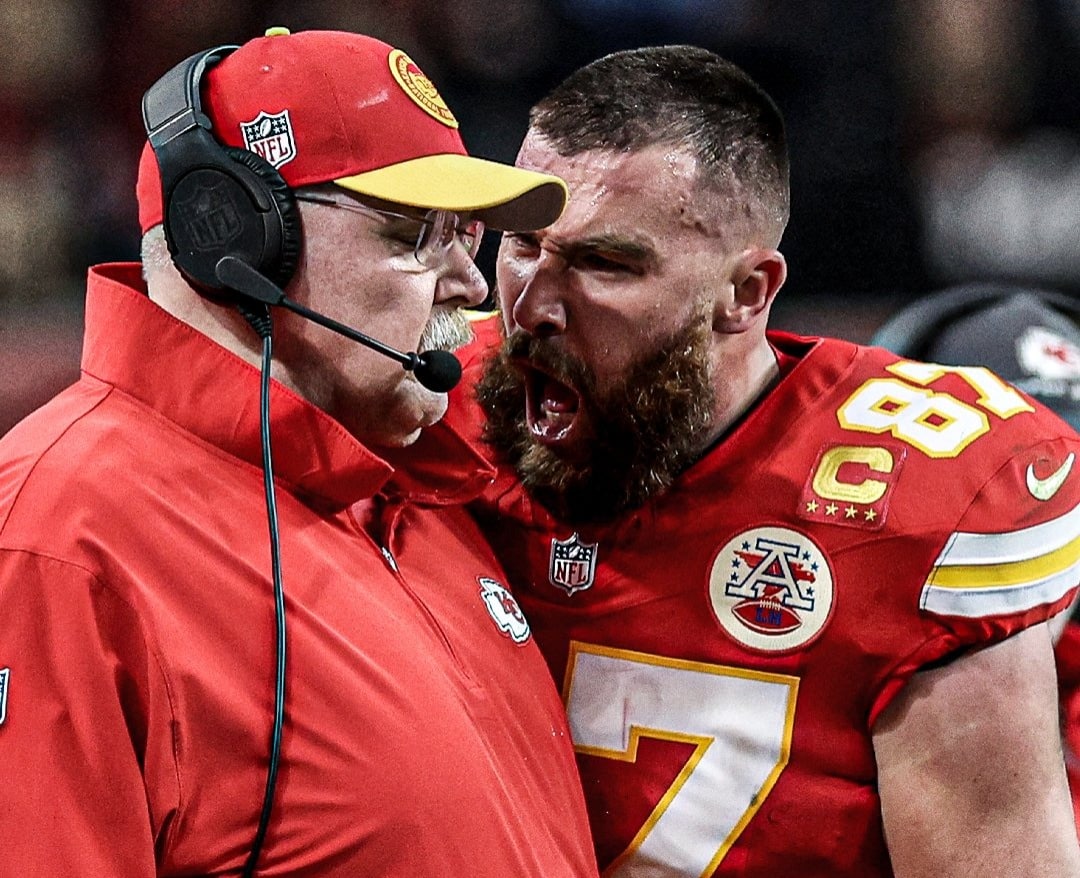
[771,589]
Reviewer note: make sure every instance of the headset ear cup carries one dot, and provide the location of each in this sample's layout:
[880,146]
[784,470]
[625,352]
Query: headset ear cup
[280,266]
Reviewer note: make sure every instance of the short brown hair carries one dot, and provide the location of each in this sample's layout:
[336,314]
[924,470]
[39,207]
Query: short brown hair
[687,97]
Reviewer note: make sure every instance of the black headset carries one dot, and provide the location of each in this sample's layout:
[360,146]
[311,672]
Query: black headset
[217,200]
[912,331]
[220,201]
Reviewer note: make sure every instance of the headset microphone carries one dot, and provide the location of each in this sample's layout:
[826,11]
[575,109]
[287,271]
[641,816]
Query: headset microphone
[438,371]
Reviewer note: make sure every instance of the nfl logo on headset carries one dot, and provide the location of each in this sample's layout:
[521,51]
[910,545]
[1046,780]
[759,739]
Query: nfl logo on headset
[572,565]
[270,136]
[209,216]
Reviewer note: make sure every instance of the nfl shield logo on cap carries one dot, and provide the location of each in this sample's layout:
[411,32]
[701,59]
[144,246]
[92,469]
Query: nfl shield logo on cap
[270,135]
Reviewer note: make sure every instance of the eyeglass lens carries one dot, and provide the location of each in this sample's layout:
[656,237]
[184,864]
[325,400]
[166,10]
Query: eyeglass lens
[435,237]
[440,229]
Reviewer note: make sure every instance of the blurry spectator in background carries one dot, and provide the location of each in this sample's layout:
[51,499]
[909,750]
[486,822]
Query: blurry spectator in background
[45,72]
[991,136]
[1031,338]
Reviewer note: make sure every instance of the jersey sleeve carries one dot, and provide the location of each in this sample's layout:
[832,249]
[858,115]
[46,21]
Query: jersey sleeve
[1014,558]
[76,677]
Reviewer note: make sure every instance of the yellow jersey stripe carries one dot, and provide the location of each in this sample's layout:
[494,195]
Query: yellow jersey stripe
[979,602]
[1023,572]
[979,575]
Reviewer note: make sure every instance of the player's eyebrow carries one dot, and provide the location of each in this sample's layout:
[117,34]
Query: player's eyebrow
[638,251]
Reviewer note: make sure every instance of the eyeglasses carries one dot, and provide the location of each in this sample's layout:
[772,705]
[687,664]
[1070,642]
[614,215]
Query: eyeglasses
[435,238]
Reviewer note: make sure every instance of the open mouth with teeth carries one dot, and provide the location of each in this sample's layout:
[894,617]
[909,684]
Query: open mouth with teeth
[553,410]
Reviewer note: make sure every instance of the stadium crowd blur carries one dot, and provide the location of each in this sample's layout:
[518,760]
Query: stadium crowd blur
[933,141]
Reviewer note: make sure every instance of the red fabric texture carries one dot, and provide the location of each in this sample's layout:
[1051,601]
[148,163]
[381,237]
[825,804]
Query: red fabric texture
[420,738]
[645,654]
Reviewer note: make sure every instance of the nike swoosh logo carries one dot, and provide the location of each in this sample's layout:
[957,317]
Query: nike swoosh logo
[1044,489]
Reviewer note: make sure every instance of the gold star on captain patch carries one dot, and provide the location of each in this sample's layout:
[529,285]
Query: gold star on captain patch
[812,506]
[831,509]
[850,512]
[870,515]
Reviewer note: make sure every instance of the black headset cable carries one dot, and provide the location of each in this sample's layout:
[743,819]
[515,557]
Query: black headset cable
[258,315]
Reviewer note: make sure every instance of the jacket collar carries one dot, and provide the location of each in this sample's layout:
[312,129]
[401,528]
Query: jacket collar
[186,377]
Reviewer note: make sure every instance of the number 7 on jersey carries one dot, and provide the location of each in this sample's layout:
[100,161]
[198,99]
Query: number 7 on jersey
[739,722]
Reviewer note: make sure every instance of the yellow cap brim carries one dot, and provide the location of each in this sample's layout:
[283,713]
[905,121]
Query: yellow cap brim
[501,196]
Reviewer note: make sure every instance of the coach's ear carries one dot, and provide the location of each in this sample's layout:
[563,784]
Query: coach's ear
[755,280]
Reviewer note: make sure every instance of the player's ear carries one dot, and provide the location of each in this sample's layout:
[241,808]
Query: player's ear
[755,280]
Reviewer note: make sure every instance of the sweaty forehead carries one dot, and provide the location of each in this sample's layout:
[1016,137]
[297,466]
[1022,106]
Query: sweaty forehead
[656,167]
[656,183]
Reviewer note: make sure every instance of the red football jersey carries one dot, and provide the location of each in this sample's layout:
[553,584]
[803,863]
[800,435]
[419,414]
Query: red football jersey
[725,650]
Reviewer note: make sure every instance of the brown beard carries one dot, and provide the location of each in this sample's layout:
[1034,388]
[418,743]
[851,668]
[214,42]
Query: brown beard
[647,430]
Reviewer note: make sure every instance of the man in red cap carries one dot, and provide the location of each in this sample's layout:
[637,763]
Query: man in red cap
[351,691]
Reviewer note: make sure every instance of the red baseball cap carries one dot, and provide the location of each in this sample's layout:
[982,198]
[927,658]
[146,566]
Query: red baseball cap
[329,106]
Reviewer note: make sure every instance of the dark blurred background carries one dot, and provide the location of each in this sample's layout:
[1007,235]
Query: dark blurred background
[933,141]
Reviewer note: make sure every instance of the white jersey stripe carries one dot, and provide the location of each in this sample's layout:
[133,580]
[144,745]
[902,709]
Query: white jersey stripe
[992,574]
[1018,545]
[977,602]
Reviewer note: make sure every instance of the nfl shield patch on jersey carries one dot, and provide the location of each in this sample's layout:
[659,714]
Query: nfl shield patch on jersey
[572,564]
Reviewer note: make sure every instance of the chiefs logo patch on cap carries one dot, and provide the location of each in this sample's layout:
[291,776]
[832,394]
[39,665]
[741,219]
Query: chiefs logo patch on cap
[771,589]
[419,88]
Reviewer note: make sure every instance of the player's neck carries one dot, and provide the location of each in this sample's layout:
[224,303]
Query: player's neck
[736,400]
